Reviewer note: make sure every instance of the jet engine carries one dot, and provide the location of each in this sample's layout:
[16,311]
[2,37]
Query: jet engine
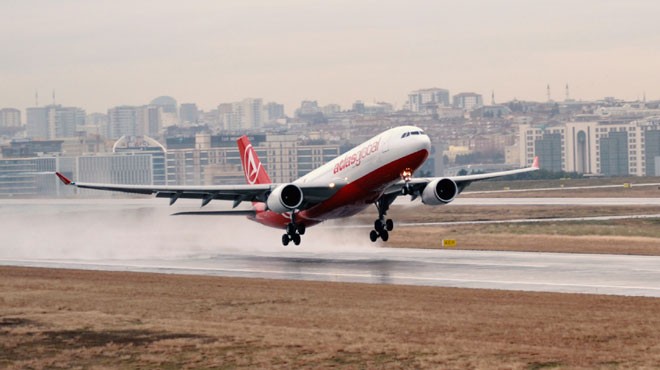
[285,198]
[439,191]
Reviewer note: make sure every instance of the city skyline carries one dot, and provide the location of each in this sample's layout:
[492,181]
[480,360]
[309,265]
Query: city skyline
[102,55]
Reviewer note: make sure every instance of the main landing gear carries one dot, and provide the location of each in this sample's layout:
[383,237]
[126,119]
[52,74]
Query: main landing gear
[293,232]
[381,229]
[382,226]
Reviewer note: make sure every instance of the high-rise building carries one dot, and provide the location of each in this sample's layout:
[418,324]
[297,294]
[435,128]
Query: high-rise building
[468,101]
[252,113]
[122,121]
[54,121]
[330,109]
[613,149]
[10,117]
[358,107]
[244,115]
[214,160]
[134,121]
[308,107]
[428,99]
[188,113]
[37,123]
[230,116]
[273,111]
[67,121]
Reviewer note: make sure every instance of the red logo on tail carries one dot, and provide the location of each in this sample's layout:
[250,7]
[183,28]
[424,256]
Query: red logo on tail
[251,167]
[254,172]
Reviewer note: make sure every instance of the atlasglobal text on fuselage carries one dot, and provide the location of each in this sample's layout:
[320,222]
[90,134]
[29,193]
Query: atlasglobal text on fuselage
[356,158]
[373,173]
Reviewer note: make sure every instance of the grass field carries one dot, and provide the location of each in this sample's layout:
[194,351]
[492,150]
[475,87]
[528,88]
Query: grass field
[628,236]
[63,319]
[623,187]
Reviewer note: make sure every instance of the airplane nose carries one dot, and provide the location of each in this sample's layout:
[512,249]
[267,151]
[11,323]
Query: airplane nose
[425,143]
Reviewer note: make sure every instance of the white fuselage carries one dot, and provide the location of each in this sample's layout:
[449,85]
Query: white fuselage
[367,157]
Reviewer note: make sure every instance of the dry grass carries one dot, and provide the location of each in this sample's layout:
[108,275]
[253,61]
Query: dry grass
[60,319]
[616,192]
[629,236]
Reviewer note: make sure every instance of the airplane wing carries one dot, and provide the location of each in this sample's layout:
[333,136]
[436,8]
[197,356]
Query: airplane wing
[417,185]
[312,193]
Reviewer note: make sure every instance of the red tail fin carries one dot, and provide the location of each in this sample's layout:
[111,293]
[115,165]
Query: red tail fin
[254,172]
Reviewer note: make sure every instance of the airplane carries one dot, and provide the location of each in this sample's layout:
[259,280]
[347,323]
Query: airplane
[374,172]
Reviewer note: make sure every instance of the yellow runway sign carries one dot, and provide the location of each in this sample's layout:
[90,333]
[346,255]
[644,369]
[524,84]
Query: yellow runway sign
[448,243]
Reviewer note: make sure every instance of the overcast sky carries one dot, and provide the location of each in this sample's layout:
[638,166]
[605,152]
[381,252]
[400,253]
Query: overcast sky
[99,54]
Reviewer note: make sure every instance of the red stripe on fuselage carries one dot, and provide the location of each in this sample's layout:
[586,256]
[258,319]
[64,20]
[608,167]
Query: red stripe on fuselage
[351,199]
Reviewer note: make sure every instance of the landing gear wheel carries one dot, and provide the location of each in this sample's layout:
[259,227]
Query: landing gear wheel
[291,228]
[293,231]
[383,226]
[384,235]
[373,235]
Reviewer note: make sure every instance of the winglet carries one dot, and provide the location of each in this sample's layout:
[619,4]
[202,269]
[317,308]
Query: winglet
[63,178]
[536,163]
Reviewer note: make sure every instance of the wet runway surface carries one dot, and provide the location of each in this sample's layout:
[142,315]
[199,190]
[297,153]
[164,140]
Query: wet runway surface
[140,236]
[549,272]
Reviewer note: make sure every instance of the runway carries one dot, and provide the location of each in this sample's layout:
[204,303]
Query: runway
[549,272]
[140,236]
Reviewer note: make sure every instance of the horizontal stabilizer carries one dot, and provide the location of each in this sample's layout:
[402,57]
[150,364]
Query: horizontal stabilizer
[217,213]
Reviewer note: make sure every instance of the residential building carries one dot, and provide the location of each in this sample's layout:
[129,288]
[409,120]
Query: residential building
[273,111]
[188,113]
[215,159]
[252,114]
[468,101]
[613,149]
[134,121]
[428,99]
[54,121]
[10,117]
[241,116]
[330,109]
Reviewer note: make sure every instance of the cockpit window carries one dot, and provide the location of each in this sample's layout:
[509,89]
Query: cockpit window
[406,134]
